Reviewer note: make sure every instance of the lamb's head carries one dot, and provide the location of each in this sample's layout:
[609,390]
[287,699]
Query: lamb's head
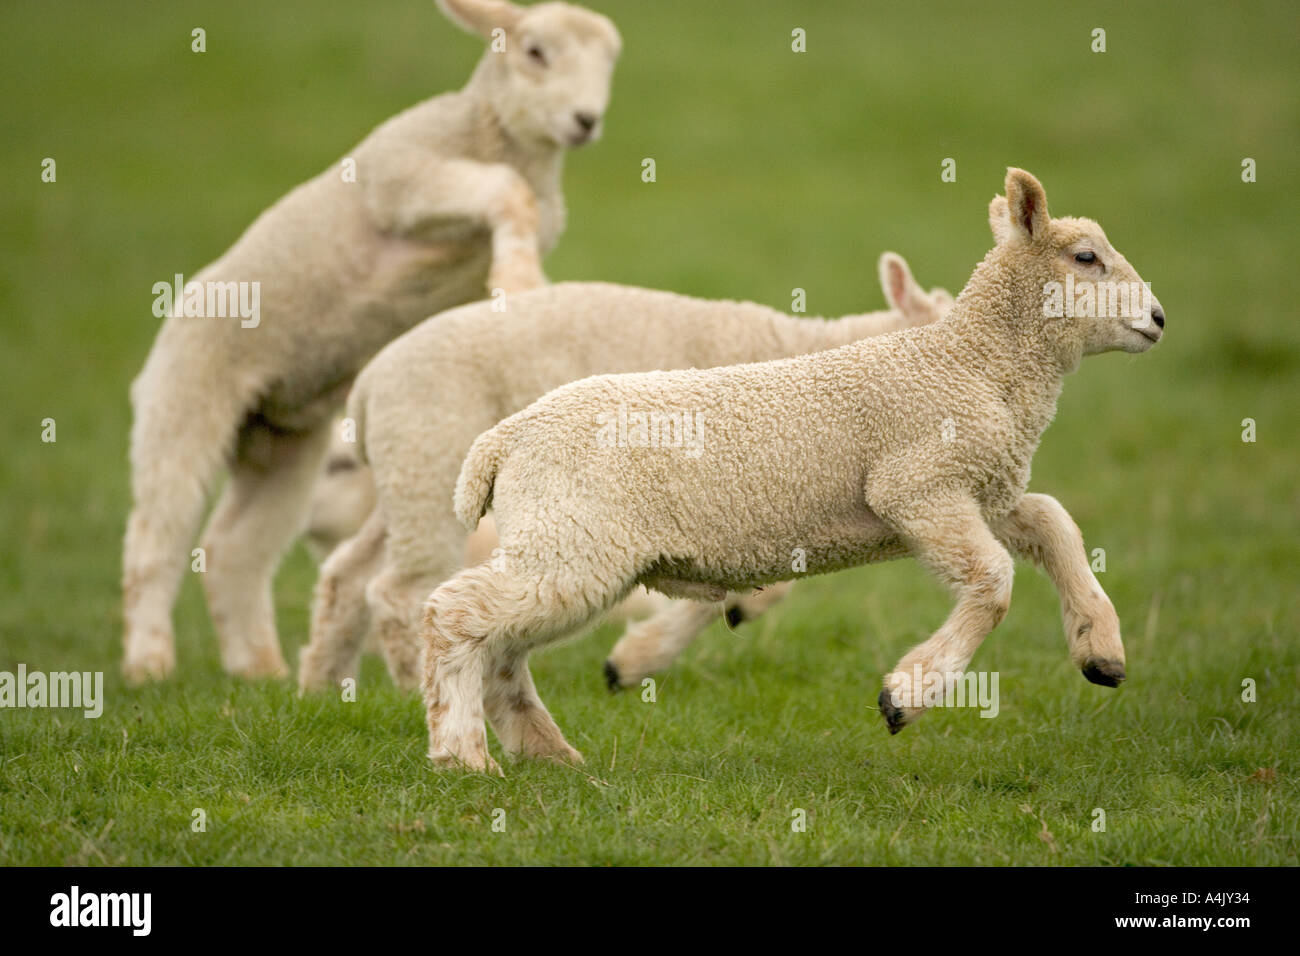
[1066,279]
[904,294]
[548,66]
[342,498]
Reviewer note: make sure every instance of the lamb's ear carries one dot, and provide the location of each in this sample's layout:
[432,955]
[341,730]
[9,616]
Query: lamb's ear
[999,220]
[896,280]
[1026,205]
[481,16]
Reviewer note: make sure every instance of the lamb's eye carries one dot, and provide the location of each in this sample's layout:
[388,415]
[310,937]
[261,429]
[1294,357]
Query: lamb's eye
[1085,257]
[537,54]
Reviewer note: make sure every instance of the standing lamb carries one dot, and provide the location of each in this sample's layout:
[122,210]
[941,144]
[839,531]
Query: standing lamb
[916,443]
[454,197]
[419,405]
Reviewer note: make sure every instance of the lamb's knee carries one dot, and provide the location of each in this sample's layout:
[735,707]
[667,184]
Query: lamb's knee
[991,587]
[339,575]
[221,562]
[1040,505]
[215,571]
[1048,526]
[452,632]
[466,606]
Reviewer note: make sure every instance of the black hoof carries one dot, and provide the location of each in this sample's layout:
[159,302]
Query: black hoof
[1103,672]
[893,715]
[734,616]
[611,678]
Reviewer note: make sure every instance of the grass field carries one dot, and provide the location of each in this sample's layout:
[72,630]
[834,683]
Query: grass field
[775,170]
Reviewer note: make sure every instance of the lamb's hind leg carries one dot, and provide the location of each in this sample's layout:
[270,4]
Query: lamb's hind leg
[159,534]
[521,721]
[395,597]
[951,538]
[424,548]
[1041,530]
[260,513]
[177,449]
[459,617]
[478,628]
[340,614]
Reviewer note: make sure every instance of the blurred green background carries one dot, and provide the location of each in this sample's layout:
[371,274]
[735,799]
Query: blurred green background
[775,170]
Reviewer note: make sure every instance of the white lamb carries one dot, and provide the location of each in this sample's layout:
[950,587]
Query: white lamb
[419,405]
[450,199]
[916,443]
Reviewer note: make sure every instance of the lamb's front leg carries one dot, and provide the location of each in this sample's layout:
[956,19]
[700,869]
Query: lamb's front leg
[494,195]
[951,538]
[1042,531]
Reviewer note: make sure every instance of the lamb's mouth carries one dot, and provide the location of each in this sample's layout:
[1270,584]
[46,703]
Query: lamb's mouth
[1145,334]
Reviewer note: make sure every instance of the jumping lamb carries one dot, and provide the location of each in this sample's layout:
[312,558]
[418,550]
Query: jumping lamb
[917,443]
[419,405]
[444,203]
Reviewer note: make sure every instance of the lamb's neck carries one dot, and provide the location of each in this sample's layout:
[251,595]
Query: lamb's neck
[1007,347]
[540,162]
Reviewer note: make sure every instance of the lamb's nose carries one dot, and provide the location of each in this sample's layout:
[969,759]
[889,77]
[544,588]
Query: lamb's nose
[586,120]
[1158,315]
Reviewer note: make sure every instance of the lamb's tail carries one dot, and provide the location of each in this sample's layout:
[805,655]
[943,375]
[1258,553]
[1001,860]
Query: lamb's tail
[478,474]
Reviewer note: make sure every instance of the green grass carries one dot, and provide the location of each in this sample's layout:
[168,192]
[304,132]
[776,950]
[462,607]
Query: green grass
[775,171]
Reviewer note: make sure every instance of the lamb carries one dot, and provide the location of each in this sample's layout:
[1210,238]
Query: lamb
[456,197]
[423,400]
[916,443]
